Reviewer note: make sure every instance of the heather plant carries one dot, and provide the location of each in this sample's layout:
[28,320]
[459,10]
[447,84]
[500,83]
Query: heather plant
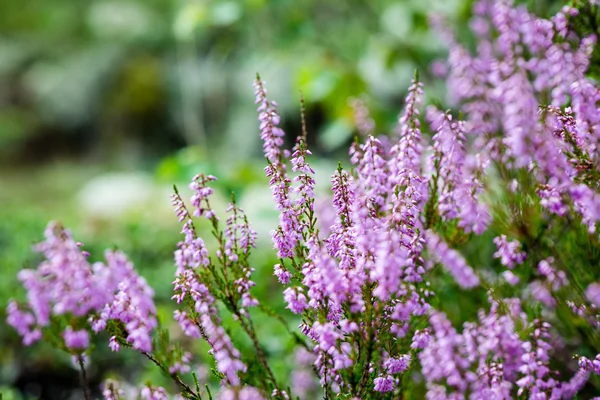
[515,169]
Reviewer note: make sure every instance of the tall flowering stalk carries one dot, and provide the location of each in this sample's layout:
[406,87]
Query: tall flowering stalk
[349,282]
[201,280]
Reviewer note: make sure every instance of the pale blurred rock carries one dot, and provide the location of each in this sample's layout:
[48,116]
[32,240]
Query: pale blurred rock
[115,195]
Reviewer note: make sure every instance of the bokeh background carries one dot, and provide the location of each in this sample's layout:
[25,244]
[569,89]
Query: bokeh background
[104,105]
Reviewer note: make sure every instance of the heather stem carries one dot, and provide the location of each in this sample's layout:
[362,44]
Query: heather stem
[182,385]
[83,377]
[248,326]
[303,117]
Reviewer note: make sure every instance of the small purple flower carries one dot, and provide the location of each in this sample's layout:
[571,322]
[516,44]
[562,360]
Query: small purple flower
[398,364]
[509,252]
[187,325]
[113,344]
[592,294]
[384,384]
[510,278]
[420,339]
[154,393]
[241,393]
[132,305]
[452,260]
[202,192]
[76,340]
[540,292]
[556,278]
[295,299]
[283,275]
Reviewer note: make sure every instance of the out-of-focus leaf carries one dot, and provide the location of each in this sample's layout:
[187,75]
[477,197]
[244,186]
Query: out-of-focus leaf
[120,20]
[336,134]
[13,54]
[225,12]
[397,20]
[183,165]
[15,124]
[191,16]
[65,92]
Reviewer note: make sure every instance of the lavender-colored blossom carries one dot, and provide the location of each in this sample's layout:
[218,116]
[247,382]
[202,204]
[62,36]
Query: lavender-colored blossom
[408,192]
[491,347]
[392,261]
[324,280]
[227,357]
[534,368]
[132,305]
[239,239]
[187,324]
[541,292]
[592,294]
[420,339]
[76,340]
[569,390]
[200,198]
[243,393]
[452,260]
[295,299]
[333,352]
[153,393]
[510,278]
[439,360]
[552,201]
[270,133]
[63,283]
[191,252]
[508,252]
[287,235]
[66,283]
[283,275]
[384,384]
[398,364]
[306,182]
[362,120]
[407,152]
[505,82]
[556,278]
[371,189]
[592,366]
[459,187]
[24,322]
[341,243]
[181,365]
[113,344]
[374,174]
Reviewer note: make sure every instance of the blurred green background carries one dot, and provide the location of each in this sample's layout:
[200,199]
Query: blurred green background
[104,105]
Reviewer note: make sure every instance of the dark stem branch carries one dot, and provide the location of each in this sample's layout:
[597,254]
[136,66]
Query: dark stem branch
[260,352]
[83,377]
[182,385]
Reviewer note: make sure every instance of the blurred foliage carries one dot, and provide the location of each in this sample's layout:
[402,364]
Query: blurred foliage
[128,81]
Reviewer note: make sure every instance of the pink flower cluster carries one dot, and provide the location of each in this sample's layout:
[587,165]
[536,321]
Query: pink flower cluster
[522,162]
[65,283]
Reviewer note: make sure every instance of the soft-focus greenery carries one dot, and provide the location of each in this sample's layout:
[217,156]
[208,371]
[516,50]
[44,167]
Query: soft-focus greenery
[127,81]
[91,89]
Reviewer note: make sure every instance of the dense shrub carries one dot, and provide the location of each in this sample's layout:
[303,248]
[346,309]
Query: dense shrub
[517,169]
